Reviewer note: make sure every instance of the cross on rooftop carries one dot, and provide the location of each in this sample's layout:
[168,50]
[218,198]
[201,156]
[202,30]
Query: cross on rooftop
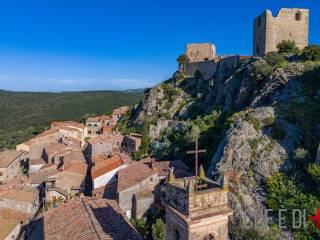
[196,152]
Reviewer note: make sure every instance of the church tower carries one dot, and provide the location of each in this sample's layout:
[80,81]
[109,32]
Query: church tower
[196,209]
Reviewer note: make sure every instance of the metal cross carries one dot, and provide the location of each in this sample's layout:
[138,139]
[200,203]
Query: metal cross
[196,152]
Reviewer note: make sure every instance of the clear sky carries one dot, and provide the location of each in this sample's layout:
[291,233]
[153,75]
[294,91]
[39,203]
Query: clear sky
[63,45]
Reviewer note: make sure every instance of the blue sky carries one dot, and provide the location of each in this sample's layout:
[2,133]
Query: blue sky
[67,45]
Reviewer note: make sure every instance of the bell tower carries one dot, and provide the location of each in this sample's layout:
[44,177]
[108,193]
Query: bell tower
[196,209]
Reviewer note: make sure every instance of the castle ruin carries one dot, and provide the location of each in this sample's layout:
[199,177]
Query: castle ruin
[289,24]
[199,52]
[196,208]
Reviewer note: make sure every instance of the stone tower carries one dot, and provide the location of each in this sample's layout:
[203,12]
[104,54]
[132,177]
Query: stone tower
[196,209]
[200,52]
[289,24]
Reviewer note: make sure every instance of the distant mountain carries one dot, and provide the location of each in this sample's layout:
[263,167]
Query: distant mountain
[24,113]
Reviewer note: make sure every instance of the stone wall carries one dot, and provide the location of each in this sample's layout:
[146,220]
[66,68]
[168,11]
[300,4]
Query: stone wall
[289,24]
[28,207]
[209,69]
[125,197]
[142,206]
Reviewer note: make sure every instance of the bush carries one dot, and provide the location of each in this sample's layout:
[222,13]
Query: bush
[311,53]
[260,70]
[287,47]
[159,230]
[275,59]
[182,59]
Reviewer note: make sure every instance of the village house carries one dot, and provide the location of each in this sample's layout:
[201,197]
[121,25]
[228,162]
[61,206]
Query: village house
[13,223]
[72,129]
[20,199]
[141,180]
[104,144]
[88,218]
[118,113]
[66,183]
[11,162]
[132,142]
[94,126]
[106,167]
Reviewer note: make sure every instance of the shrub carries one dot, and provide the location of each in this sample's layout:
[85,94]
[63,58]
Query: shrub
[159,230]
[311,53]
[287,47]
[314,171]
[260,70]
[182,59]
[275,59]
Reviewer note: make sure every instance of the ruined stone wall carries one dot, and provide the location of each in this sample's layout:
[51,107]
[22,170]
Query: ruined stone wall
[199,52]
[289,24]
[209,69]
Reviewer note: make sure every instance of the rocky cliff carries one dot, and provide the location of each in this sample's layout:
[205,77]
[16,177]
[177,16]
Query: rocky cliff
[269,107]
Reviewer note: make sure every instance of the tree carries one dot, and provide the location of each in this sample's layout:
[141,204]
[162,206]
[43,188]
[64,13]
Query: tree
[287,46]
[159,230]
[311,53]
[182,59]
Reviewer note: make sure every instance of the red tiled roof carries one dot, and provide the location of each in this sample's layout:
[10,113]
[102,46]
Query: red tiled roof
[78,168]
[133,174]
[103,164]
[144,194]
[88,218]
[120,111]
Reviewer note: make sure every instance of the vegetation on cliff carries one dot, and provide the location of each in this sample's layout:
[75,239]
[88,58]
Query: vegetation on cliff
[262,121]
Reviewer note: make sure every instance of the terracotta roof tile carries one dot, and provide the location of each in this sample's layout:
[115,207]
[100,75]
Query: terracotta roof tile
[144,194]
[103,164]
[9,156]
[133,174]
[88,218]
[9,219]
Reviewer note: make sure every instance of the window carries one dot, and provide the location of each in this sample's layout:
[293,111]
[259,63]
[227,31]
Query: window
[298,16]
[1,173]
[95,124]
[208,237]
[89,132]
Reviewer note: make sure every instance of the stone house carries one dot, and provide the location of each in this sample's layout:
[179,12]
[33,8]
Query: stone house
[142,202]
[106,167]
[118,113]
[72,129]
[143,176]
[132,142]
[289,24]
[13,223]
[109,143]
[94,126]
[10,164]
[20,199]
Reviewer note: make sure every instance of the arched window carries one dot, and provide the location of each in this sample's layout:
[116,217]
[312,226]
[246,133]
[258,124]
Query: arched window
[298,16]
[209,237]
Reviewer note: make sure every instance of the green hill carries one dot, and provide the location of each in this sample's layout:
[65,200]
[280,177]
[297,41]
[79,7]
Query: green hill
[23,114]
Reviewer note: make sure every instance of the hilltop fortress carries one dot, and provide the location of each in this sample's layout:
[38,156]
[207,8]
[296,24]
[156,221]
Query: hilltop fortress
[288,24]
